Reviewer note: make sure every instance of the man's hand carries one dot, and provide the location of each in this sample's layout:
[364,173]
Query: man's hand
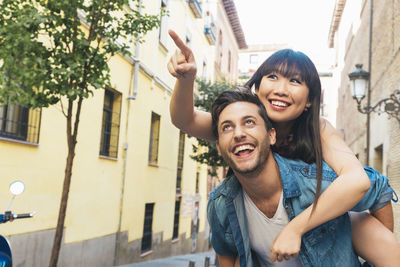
[286,245]
[182,64]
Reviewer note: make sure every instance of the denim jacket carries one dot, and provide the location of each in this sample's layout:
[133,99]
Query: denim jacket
[329,244]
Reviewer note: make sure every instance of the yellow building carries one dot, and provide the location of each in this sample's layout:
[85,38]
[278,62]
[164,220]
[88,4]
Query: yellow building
[135,194]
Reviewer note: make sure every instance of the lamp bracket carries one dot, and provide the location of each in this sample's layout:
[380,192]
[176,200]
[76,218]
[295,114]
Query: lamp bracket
[390,106]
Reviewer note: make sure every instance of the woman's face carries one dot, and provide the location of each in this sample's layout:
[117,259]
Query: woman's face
[285,99]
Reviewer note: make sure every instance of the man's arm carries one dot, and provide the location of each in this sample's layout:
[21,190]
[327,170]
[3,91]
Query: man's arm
[385,216]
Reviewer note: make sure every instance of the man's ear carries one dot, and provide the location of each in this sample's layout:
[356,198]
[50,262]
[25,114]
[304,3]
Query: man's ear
[217,144]
[272,136]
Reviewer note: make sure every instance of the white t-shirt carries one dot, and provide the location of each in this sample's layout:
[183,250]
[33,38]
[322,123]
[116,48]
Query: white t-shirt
[263,230]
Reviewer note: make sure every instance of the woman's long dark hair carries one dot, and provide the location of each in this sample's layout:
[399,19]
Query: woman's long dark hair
[306,128]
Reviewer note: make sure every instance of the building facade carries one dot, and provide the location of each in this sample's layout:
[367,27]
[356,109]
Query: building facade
[135,194]
[367,32]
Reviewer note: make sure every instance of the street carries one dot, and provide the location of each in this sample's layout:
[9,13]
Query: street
[178,261]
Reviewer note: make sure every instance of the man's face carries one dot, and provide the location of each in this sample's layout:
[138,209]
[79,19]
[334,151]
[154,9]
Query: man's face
[243,141]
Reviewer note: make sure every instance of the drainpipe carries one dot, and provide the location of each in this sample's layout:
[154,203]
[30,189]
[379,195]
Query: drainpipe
[131,96]
[371,5]
[136,68]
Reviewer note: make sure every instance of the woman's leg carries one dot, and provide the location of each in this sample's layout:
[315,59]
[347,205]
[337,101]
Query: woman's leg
[373,241]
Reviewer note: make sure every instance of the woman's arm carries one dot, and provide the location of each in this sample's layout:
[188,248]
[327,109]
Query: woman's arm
[182,66]
[348,189]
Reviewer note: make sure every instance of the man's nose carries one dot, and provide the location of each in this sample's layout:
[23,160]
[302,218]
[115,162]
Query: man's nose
[240,134]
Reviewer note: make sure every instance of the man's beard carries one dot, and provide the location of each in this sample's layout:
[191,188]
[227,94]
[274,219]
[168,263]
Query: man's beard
[257,167]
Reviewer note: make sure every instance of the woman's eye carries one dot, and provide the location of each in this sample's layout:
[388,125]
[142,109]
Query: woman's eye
[272,76]
[294,80]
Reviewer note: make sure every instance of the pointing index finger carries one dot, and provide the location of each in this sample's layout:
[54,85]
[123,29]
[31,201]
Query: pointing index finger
[179,43]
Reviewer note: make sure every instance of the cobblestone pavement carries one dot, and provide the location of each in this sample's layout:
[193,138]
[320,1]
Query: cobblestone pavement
[178,261]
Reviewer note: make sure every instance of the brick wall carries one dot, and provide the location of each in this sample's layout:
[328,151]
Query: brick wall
[385,78]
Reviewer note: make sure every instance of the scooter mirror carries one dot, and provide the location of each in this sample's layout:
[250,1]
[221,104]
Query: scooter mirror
[17,187]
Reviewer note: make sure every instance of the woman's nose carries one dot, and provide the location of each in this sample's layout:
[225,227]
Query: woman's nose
[281,88]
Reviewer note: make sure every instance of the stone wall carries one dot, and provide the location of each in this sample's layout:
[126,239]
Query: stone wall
[385,78]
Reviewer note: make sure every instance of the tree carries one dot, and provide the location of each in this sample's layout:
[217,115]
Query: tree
[205,152]
[56,51]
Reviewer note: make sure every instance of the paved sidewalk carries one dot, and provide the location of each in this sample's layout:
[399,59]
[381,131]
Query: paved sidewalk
[178,261]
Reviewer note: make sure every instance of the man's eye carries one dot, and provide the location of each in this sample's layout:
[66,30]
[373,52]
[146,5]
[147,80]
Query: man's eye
[226,127]
[250,122]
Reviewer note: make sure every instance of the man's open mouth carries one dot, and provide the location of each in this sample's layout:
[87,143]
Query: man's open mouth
[244,149]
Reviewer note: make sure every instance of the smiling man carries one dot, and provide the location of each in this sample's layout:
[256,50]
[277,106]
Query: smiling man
[251,207]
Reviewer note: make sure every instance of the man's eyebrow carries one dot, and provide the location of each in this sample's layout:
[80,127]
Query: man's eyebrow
[225,121]
[249,116]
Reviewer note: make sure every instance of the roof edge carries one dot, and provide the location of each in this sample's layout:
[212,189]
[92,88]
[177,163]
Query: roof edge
[336,17]
[236,27]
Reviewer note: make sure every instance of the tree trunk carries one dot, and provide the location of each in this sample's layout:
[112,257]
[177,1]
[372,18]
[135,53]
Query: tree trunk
[63,207]
[72,133]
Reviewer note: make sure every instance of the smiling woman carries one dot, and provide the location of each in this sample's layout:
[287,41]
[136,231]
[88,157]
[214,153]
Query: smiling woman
[288,84]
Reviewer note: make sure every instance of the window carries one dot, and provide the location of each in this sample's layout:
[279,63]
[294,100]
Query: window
[197,181]
[163,34]
[154,138]
[204,73]
[176,218]
[254,59]
[181,152]
[110,124]
[219,50]
[229,60]
[19,123]
[188,39]
[378,158]
[147,227]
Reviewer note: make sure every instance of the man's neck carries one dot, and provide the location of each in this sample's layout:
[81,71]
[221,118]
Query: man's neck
[263,185]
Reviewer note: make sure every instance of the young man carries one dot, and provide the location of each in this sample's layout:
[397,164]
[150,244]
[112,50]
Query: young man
[250,208]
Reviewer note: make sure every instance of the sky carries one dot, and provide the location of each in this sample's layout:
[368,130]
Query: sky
[302,24]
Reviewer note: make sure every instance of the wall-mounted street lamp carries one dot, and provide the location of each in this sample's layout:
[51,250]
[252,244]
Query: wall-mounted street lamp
[359,79]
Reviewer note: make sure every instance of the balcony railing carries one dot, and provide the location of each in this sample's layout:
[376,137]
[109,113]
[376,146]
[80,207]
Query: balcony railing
[209,35]
[195,7]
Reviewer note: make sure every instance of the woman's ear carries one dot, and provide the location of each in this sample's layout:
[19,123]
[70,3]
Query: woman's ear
[253,89]
[272,136]
[308,105]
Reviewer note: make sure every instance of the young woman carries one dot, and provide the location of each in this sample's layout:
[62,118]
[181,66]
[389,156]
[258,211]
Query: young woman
[288,84]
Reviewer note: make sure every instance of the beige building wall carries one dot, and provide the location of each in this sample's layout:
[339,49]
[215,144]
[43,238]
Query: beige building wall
[350,37]
[106,208]
[229,40]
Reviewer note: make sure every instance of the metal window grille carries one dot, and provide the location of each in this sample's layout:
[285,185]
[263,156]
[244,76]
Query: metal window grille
[110,124]
[181,152]
[176,218]
[147,227]
[20,123]
[154,138]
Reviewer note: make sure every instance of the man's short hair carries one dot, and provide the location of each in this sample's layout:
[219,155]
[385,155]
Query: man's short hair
[228,97]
